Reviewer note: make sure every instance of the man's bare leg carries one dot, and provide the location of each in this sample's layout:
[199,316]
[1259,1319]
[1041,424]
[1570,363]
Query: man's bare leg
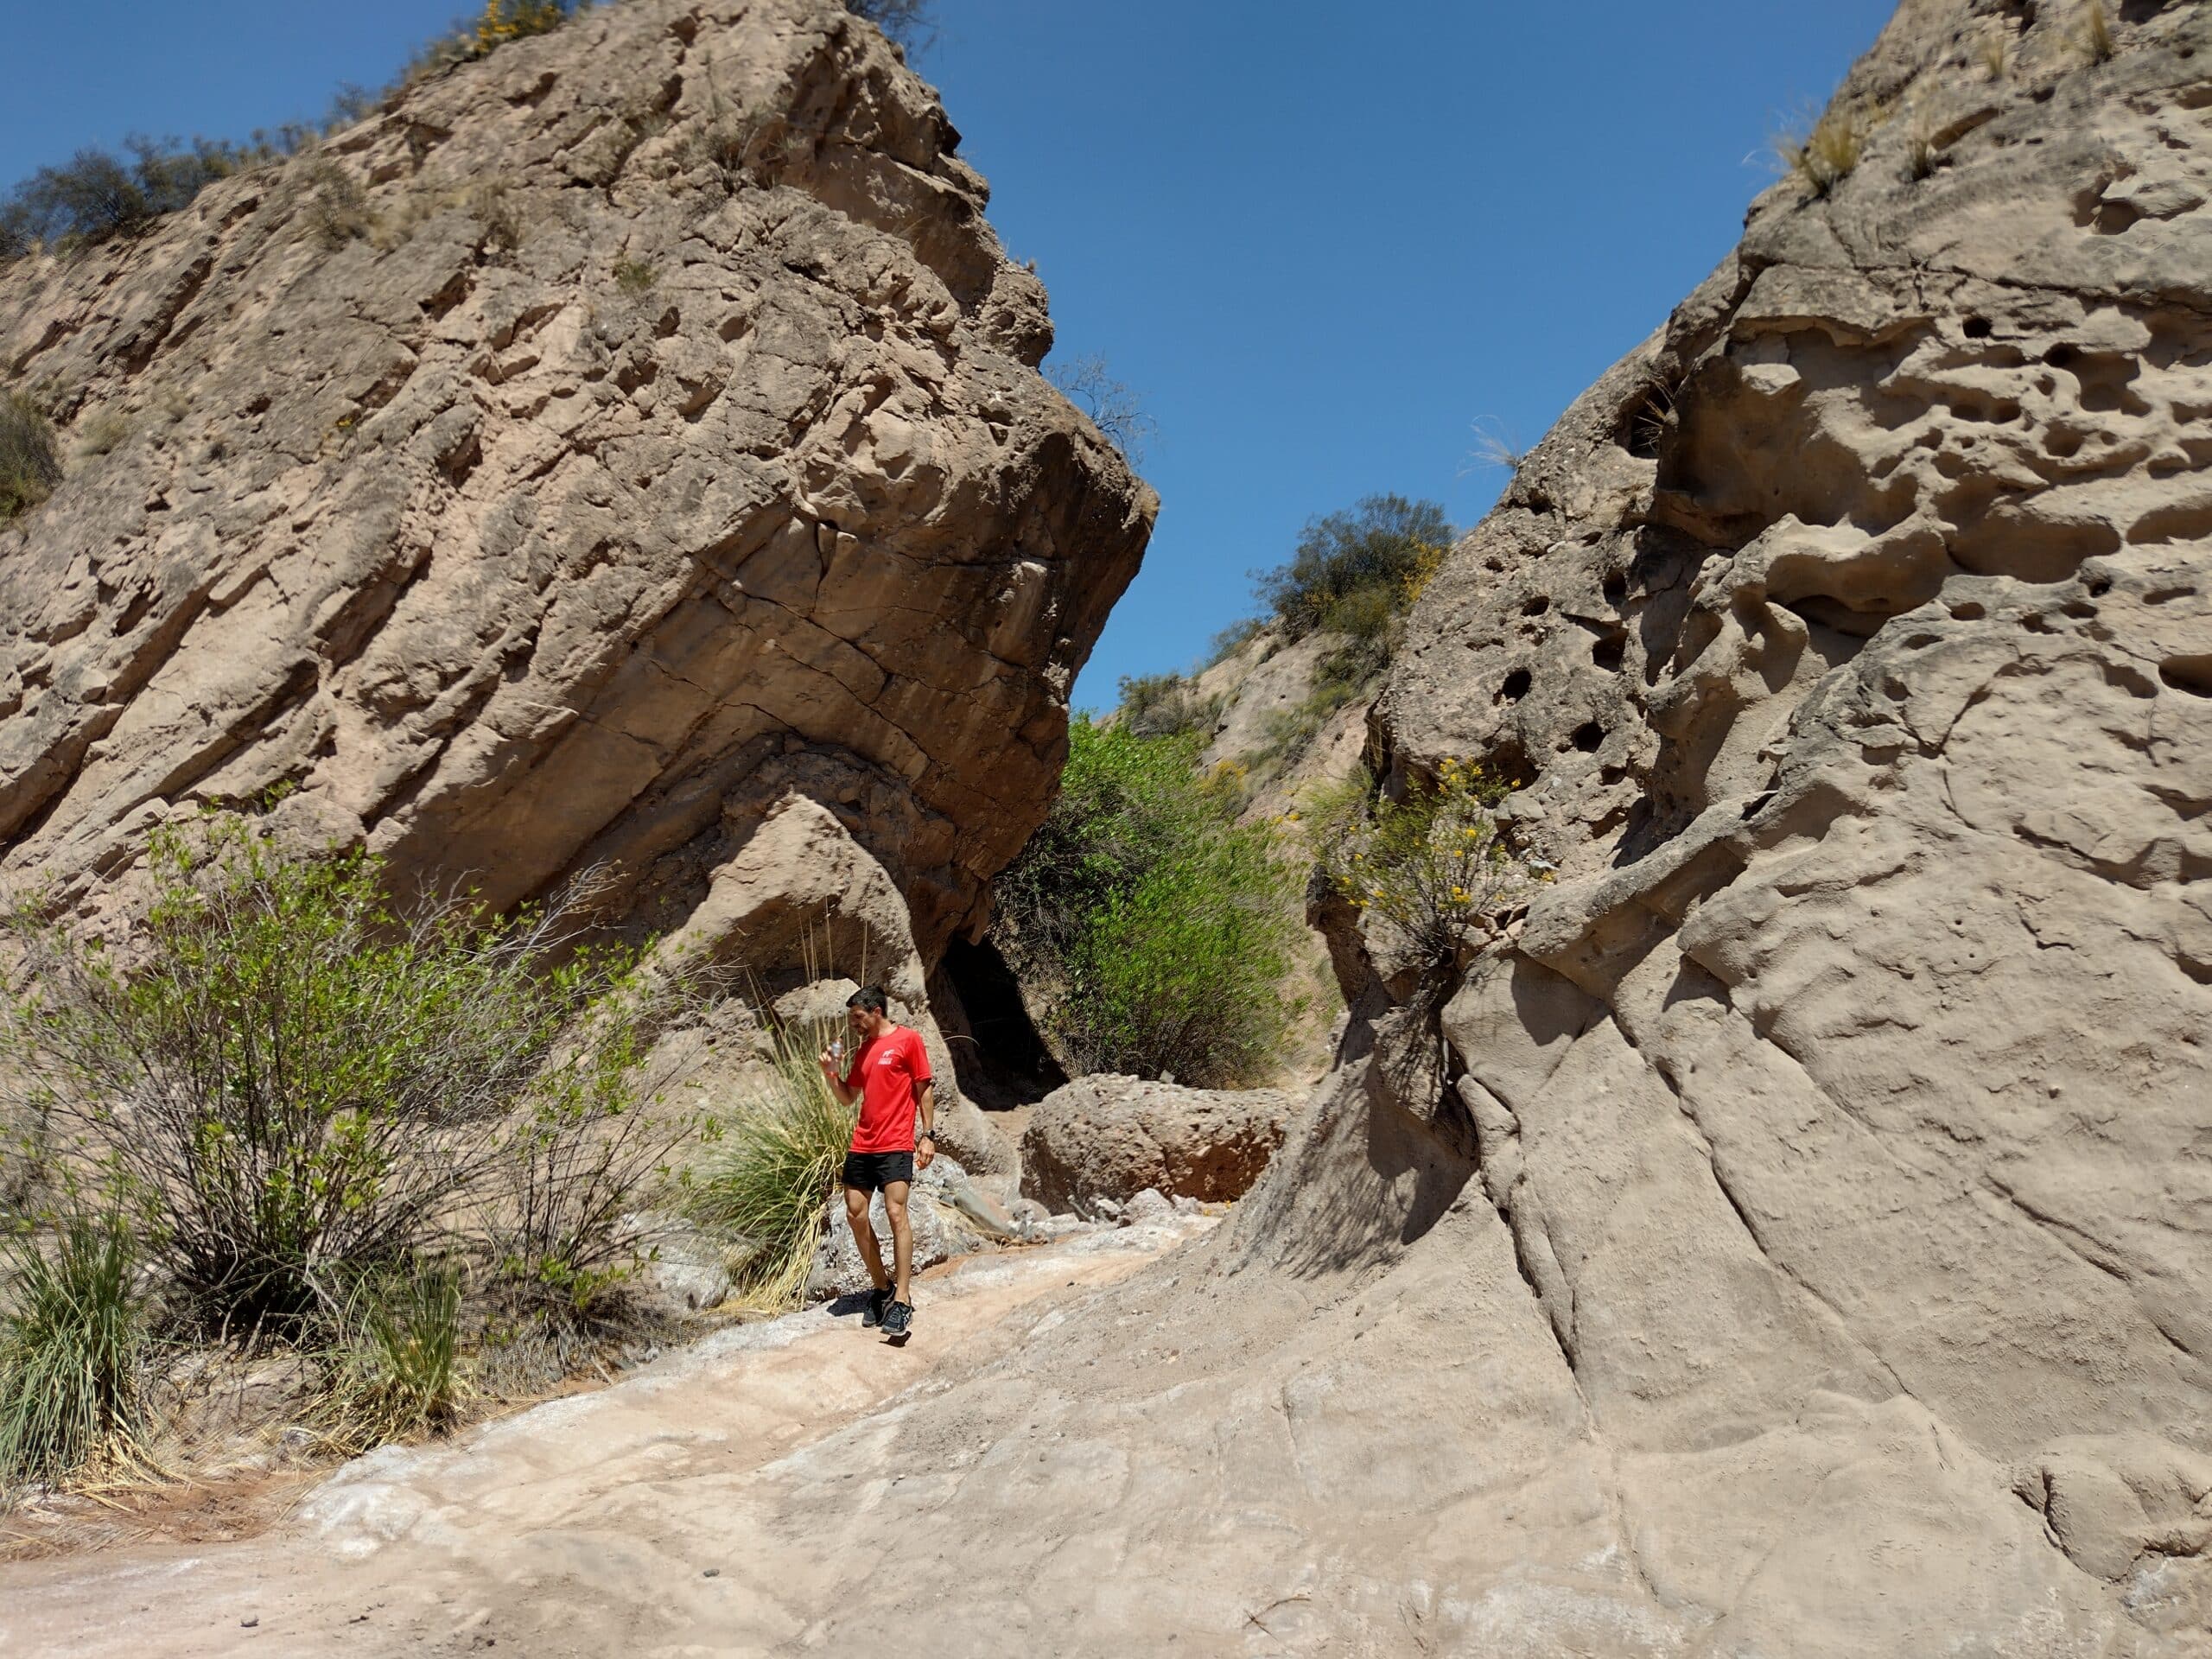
[864,1235]
[902,1240]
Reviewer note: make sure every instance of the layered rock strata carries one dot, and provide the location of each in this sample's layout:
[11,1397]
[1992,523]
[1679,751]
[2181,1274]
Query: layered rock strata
[610,439]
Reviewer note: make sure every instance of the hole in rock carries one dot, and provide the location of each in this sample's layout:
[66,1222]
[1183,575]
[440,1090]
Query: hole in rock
[1515,687]
[1608,653]
[1587,736]
[2189,673]
[1980,328]
[1536,606]
[1616,588]
[1968,610]
[1003,1062]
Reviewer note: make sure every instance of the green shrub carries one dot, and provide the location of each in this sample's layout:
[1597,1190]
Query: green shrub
[778,1165]
[71,1342]
[1150,929]
[635,278]
[1355,572]
[1166,705]
[98,194]
[514,20]
[1434,863]
[28,467]
[300,1085]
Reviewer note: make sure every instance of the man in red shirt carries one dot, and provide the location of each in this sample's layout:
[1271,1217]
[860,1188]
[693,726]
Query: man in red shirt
[890,1074]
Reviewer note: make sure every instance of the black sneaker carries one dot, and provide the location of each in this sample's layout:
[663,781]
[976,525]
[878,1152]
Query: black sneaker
[898,1321]
[872,1315]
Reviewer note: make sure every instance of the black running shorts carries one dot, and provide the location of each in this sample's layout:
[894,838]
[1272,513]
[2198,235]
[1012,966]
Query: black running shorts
[867,1171]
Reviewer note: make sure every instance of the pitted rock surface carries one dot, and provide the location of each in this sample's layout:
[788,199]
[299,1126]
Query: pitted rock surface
[613,437]
[1792,1237]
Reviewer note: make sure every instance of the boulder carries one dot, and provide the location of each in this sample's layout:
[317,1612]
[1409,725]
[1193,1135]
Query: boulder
[1109,1138]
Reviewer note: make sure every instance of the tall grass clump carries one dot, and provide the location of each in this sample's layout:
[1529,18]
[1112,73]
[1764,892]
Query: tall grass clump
[295,1082]
[72,1336]
[396,1371]
[776,1165]
[29,466]
[1149,928]
[2096,37]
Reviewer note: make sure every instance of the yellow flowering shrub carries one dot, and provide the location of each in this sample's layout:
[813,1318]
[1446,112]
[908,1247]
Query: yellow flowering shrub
[1432,863]
[511,20]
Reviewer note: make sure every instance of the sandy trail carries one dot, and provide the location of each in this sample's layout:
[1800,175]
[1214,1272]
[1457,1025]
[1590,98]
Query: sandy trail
[577,1526]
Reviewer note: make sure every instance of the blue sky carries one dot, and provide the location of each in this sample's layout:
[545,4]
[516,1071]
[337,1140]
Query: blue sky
[1321,239]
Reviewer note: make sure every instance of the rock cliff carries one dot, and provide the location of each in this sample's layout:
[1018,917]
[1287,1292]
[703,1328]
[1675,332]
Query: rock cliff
[609,441]
[1796,1237]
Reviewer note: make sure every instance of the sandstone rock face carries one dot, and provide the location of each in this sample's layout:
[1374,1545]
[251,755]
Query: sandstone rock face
[617,436]
[1112,1137]
[1796,1237]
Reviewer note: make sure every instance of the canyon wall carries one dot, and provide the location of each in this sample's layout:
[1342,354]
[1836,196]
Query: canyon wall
[1791,1232]
[609,441]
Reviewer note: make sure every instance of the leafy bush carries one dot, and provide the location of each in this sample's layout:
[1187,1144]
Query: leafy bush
[28,468]
[96,194]
[1166,705]
[514,20]
[1353,572]
[1151,929]
[778,1164]
[70,1346]
[1432,863]
[300,1085]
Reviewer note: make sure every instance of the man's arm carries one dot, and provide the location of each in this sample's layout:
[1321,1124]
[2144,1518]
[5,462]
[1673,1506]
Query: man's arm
[846,1094]
[925,1098]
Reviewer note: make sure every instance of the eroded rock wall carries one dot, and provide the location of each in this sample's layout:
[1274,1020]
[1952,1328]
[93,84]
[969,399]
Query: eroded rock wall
[1796,1237]
[613,438]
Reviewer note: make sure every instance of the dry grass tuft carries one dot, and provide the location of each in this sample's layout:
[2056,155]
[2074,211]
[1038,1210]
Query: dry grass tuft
[779,1165]
[2096,36]
[1827,153]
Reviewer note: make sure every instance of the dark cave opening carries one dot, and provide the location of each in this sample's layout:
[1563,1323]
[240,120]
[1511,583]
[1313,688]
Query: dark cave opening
[1001,1061]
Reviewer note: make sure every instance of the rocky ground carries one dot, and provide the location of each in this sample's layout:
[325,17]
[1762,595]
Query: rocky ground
[619,1520]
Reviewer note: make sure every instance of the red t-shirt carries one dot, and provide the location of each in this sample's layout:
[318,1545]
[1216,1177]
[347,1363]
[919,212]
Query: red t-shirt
[889,1071]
